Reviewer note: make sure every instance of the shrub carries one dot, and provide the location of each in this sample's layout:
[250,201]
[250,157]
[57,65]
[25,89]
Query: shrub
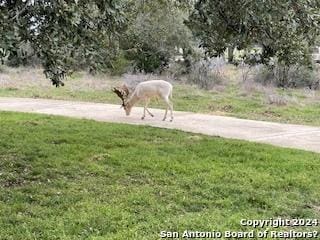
[207,73]
[149,59]
[276,99]
[301,76]
[120,65]
[2,69]
[263,75]
[287,76]
[176,70]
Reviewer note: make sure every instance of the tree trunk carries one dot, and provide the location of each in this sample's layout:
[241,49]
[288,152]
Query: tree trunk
[230,54]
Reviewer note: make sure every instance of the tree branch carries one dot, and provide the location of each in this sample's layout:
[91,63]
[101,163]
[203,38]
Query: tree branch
[16,17]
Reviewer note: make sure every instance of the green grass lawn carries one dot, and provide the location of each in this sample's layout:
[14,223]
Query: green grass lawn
[62,178]
[229,99]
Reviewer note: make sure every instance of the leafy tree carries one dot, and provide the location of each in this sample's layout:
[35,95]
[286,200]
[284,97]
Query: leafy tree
[284,29]
[62,32]
[155,31]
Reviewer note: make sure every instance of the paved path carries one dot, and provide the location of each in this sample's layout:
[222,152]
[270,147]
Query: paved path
[287,135]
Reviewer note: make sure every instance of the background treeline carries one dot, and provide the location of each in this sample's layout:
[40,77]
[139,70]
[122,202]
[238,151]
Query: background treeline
[179,38]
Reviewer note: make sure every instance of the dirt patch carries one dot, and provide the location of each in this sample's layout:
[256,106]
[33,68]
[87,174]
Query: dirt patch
[10,183]
[195,137]
[227,108]
[100,157]
[30,123]
[14,171]
[270,113]
[315,208]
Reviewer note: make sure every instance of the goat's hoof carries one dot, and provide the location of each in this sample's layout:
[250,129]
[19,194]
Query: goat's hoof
[171,120]
[142,118]
[152,115]
[163,119]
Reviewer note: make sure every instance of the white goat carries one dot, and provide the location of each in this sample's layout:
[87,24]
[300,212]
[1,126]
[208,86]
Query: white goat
[144,91]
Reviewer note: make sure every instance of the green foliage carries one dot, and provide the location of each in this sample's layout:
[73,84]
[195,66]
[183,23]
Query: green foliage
[73,179]
[62,32]
[120,65]
[78,34]
[284,29]
[155,31]
[70,35]
[24,56]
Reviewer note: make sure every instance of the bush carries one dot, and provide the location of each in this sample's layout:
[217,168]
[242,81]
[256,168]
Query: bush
[149,59]
[206,73]
[176,70]
[120,65]
[184,63]
[2,69]
[276,99]
[304,77]
[263,75]
[287,76]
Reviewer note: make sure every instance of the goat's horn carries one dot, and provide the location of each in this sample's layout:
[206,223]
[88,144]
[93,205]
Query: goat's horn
[120,95]
[118,92]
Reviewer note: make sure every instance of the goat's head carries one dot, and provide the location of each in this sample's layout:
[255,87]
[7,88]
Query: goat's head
[127,107]
[123,93]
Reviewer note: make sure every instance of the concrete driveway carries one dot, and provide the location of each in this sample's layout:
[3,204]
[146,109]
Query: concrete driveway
[285,135]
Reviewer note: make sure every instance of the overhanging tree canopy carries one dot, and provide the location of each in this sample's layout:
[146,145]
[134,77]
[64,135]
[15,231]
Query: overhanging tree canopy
[62,31]
[284,29]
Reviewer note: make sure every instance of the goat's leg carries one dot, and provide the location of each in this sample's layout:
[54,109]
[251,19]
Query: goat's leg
[149,112]
[147,102]
[144,112]
[171,111]
[145,109]
[165,114]
[169,106]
